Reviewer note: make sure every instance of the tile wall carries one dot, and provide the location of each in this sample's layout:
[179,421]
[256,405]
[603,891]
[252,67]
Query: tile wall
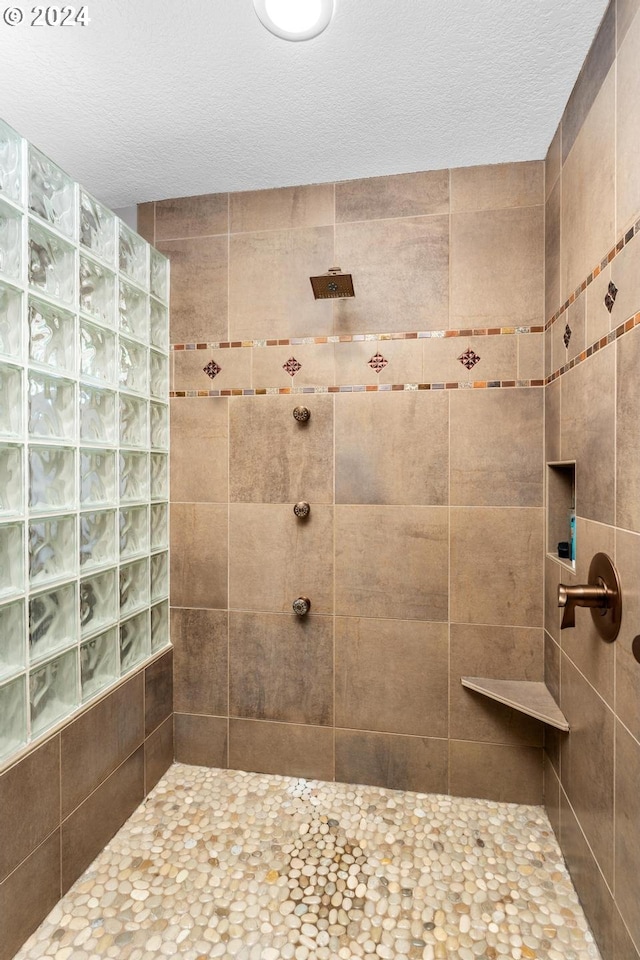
[63,802]
[422,462]
[592,356]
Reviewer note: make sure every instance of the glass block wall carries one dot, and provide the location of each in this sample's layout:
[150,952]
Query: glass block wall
[84,442]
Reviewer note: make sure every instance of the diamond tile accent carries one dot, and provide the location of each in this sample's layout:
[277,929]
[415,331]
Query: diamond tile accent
[567,335]
[377,362]
[610,298]
[291,366]
[469,359]
[212,369]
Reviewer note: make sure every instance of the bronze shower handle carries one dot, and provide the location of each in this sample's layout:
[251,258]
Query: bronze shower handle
[602,594]
[583,595]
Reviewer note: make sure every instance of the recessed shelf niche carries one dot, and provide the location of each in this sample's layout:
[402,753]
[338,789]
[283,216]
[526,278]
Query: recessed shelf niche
[561,506]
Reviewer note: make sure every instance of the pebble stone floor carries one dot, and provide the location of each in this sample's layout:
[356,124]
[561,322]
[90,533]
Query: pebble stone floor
[227,864]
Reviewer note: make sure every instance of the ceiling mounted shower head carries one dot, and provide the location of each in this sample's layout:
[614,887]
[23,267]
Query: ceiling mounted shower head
[334,285]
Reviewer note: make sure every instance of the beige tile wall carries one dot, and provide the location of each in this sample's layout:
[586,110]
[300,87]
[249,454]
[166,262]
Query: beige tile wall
[592,416]
[63,801]
[412,492]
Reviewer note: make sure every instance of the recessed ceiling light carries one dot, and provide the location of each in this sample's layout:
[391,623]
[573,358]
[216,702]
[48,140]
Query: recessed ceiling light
[295,19]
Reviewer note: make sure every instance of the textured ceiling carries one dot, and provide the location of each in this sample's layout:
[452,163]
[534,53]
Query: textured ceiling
[160,98]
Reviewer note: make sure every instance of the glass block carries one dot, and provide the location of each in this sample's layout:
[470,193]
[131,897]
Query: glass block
[98,545]
[10,401]
[52,408]
[51,193]
[159,426]
[97,291]
[52,335]
[133,421]
[158,375]
[159,476]
[11,480]
[97,415]
[98,663]
[134,477]
[98,602]
[53,552]
[158,325]
[11,559]
[159,626]
[10,163]
[159,576]
[10,321]
[158,274]
[133,255]
[11,639]
[134,586]
[97,478]
[133,366]
[135,642]
[10,242]
[97,228]
[52,478]
[53,691]
[97,353]
[53,621]
[133,308]
[134,532]
[52,265]
[13,710]
[159,525]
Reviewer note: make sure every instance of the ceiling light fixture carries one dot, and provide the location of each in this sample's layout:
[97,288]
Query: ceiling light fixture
[295,19]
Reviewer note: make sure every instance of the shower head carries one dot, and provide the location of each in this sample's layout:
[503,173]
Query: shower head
[334,285]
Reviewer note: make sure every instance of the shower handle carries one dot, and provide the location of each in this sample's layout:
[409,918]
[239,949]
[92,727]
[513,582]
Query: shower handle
[602,594]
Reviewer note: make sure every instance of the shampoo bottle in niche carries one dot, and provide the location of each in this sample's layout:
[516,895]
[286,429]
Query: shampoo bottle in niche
[572,536]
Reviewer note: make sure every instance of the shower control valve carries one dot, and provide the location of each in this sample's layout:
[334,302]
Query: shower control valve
[301,606]
[302,509]
[301,414]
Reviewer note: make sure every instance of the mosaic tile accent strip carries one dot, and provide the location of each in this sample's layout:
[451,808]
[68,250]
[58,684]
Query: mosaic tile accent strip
[212,369]
[377,362]
[631,233]
[469,359]
[567,335]
[611,337]
[292,366]
[220,863]
[357,388]
[610,298]
[362,337]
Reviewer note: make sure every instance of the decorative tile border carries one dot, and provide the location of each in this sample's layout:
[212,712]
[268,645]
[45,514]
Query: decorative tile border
[631,233]
[619,331]
[468,358]
[362,337]
[358,388]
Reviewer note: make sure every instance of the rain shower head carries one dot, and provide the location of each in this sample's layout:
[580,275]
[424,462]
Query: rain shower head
[334,285]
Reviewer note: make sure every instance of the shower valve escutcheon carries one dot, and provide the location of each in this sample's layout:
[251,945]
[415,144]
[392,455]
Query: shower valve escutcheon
[301,606]
[601,594]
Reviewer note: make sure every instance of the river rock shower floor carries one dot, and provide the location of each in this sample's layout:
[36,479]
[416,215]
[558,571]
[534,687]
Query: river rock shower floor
[226,864]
